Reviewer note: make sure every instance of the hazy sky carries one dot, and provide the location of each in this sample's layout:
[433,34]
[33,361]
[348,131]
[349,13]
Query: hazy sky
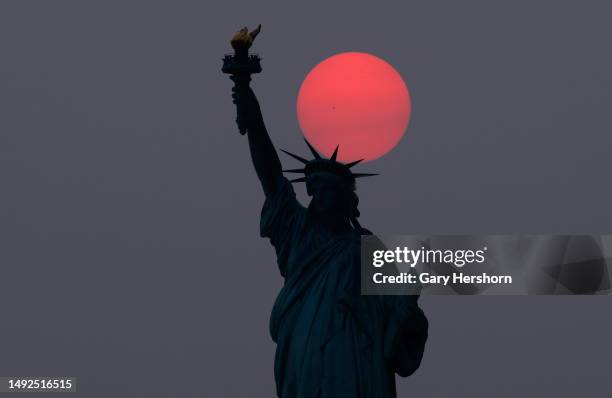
[129,245]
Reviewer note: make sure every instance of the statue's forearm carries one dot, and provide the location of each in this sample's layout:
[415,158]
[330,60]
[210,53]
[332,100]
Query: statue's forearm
[264,156]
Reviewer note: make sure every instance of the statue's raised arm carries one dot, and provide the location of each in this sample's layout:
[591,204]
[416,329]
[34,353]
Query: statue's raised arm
[249,117]
[263,154]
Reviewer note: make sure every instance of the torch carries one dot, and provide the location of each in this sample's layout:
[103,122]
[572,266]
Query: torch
[241,65]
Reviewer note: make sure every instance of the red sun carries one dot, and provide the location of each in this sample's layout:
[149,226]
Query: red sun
[354,100]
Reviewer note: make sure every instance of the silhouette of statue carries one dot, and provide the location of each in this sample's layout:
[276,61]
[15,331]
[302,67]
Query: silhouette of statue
[331,341]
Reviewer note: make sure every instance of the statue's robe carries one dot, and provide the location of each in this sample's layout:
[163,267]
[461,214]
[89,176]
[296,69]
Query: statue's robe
[331,341]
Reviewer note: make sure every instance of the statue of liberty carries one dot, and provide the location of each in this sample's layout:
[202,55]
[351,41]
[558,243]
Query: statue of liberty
[332,342]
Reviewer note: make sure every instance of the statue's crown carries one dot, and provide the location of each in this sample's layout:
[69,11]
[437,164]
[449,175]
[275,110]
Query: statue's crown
[322,165]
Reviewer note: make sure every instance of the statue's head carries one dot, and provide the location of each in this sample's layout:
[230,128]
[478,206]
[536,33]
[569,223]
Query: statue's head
[331,194]
[330,183]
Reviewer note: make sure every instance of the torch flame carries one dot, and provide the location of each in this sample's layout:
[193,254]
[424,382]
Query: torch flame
[243,39]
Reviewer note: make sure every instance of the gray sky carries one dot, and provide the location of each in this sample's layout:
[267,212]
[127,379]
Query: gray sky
[129,247]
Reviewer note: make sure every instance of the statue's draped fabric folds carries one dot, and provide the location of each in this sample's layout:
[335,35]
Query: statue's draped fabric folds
[331,341]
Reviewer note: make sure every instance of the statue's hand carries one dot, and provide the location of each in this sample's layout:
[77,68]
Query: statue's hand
[245,98]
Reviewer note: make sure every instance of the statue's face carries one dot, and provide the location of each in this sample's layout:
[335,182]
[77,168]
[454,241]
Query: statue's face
[329,196]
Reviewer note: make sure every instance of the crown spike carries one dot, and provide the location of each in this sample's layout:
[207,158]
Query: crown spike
[314,152]
[349,165]
[333,156]
[294,171]
[301,179]
[359,175]
[295,156]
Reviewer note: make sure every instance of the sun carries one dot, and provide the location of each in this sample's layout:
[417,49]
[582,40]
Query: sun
[355,100]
